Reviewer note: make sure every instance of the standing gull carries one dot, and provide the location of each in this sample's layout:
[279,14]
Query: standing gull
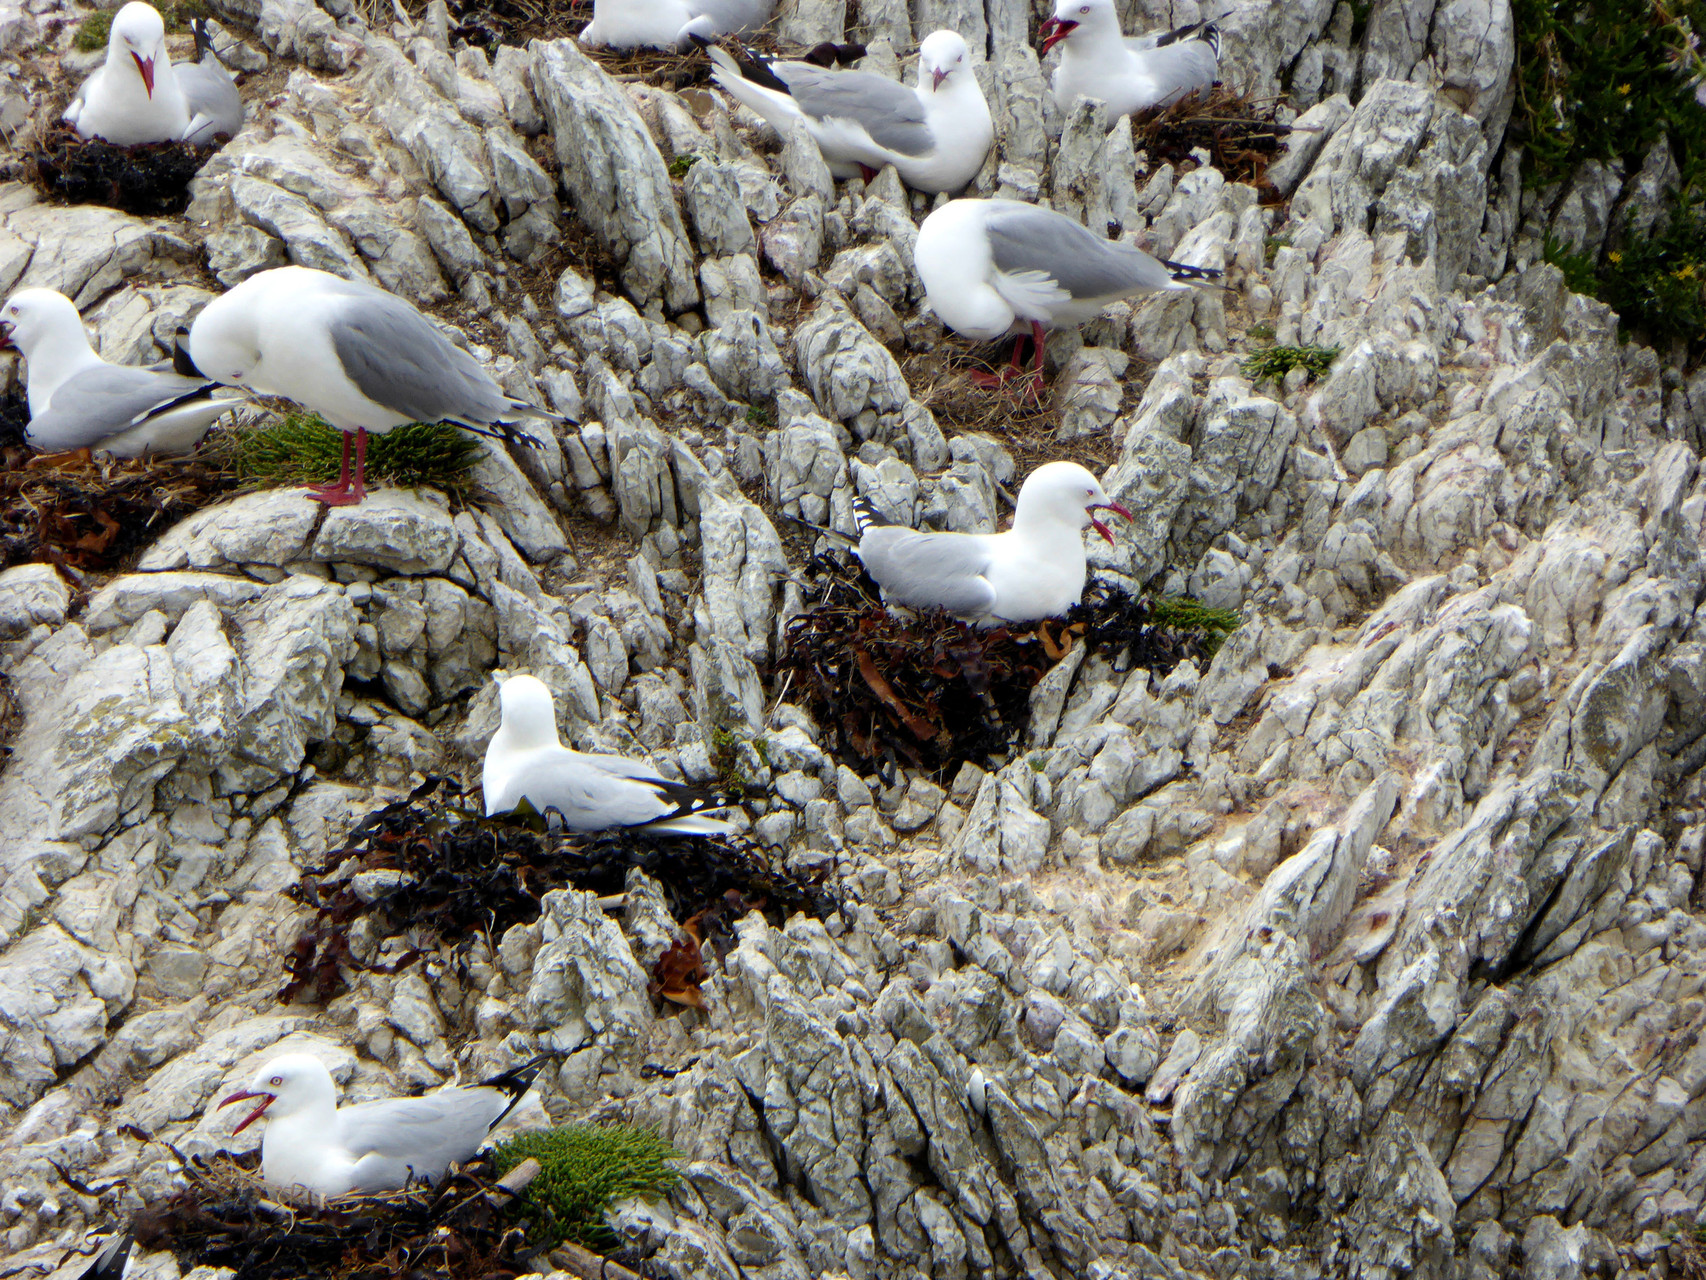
[1034,570]
[525,761]
[992,267]
[79,401]
[312,1144]
[936,135]
[362,358]
[138,96]
[1130,75]
[666,24]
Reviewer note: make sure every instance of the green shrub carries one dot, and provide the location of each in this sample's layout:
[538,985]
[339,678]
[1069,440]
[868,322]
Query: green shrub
[299,448]
[1276,362]
[583,1170]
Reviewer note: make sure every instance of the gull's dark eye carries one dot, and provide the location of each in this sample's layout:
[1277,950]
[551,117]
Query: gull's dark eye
[278,1079]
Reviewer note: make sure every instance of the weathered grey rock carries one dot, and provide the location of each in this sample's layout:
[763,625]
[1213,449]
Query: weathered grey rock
[614,175]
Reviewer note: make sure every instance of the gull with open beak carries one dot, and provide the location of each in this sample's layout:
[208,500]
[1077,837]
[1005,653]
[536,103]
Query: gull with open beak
[1130,74]
[1036,569]
[312,1144]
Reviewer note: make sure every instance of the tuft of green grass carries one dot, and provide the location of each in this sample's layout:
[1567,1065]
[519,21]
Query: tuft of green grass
[1276,362]
[93,31]
[1578,267]
[583,1170]
[1262,332]
[758,416]
[679,166]
[1182,613]
[300,448]
[1271,245]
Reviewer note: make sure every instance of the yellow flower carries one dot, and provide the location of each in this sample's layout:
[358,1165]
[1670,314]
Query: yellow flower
[1684,272]
[1624,89]
[1616,258]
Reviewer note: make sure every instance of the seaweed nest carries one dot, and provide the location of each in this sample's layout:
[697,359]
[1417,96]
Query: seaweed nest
[91,513]
[1239,132]
[430,868]
[150,180]
[932,692]
[228,1217]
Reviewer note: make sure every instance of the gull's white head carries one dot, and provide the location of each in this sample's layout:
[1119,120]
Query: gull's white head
[1065,493]
[34,319]
[529,713]
[138,36]
[943,54]
[1070,15]
[288,1085]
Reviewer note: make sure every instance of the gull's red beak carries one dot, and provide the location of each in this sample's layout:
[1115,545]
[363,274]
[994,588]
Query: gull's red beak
[1103,529]
[1053,32]
[937,75]
[146,67]
[256,1114]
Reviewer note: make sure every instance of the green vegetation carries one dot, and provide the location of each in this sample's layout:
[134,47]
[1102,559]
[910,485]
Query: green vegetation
[1185,614]
[1276,362]
[1606,80]
[679,166]
[1261,332]
[583,1170]
[758,416]
[300,448]
[92,32]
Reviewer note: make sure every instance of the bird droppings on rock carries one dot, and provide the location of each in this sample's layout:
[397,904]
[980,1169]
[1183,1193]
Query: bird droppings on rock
[931,692]
[150,180]
[87,513]
[447,873]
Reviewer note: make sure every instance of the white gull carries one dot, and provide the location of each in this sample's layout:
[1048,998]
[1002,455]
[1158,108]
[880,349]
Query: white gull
[79,401]
[1129,74]
[312,1144]
[992,267]
[935,135]
[525,761]
[666,24]
[363,359]
[137,95]
[1036,569]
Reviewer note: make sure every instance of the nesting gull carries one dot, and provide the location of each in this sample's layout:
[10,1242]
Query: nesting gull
[363,359]
[525,761]
[1130,75]
[79,401]
[1036,569]
[138,96]
[936,135]
[992,267]
[312,1144]
[666,24]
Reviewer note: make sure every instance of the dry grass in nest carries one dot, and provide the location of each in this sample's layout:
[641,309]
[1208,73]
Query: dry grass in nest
[89,513]
[150,180]
[1237,130]
[941,381]
[228,1217]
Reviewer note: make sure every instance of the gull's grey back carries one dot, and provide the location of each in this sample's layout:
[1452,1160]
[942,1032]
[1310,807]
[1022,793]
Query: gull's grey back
[886,109]
[1024,237]
[399,359]
[104,401]
[928,570]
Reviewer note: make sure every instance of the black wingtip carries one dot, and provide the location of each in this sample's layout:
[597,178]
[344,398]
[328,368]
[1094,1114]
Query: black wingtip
[110,1262]
[1185,273]
[182,365]
[866,516]
[515,1082]
[704,42]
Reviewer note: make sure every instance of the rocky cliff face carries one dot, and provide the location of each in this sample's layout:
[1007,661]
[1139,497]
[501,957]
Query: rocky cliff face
[1372,949]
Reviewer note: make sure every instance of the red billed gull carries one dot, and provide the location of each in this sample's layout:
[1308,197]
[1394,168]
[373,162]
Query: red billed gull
[314,1145]
[992,267]
[138,96]
[362,358]
[936,135]
[525,761]
[1130,75]
[1034,570]
[79,401]
[665,24]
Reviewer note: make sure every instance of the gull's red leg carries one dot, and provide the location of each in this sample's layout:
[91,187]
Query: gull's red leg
[342,485]
[353,492]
